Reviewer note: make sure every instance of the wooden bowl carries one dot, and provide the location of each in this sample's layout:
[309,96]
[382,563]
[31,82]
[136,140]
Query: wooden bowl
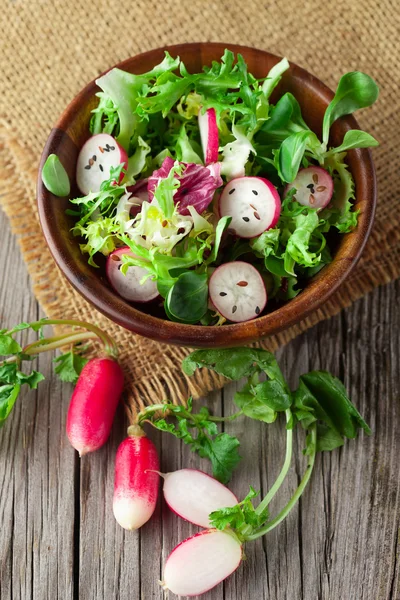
[71,132]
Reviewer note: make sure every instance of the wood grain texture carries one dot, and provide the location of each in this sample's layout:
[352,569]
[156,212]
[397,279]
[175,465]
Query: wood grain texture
[58,537]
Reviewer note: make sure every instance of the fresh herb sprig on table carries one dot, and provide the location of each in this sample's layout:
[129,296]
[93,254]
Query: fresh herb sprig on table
[319,403]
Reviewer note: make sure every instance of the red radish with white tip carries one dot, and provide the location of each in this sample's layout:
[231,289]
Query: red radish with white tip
[253,203]
[97,156]
[201,562]
[209,135]
[128,286]
[136,480]
[237,291]
[193,495]
[314,187]
[93,404]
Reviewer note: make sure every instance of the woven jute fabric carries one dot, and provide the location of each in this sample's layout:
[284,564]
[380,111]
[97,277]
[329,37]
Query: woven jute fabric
[50,50]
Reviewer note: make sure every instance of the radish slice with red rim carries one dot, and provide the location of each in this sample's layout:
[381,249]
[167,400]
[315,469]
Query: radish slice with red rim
[237,291]
[209,135]
[97,156]
[193,495]
[202,561]
[253,203]
[128,286]
[314,187]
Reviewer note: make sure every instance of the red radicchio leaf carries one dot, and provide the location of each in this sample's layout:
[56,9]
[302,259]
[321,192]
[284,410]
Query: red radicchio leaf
[197,188]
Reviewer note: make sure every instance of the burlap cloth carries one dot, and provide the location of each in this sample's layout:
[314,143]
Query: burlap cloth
[51,49]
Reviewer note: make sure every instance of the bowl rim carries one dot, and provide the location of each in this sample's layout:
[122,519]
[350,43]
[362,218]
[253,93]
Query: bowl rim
[309,300]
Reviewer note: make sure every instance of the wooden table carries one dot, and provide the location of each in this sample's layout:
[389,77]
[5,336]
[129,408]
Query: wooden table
[58,536]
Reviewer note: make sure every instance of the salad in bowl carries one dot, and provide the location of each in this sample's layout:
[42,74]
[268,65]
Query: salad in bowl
[204,196]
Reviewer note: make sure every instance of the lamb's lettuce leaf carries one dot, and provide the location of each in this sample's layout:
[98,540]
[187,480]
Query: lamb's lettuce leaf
[354,139]
[355,90]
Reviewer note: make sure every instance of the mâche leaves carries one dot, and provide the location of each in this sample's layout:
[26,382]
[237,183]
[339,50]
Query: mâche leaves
[354,139]
[355,90]
[187,298]
[55,177]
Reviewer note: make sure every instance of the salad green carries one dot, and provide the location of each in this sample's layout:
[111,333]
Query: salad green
[166,144]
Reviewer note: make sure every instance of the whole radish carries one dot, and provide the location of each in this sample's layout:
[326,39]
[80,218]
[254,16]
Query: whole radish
[202,561]
[253,203]
[93,404]
[136,480]
[313,187]
[193,495]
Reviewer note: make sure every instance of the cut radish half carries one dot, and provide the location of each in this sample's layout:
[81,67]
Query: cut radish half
[97,156]
[314,187]
[253,203]
[128,286]
[237,291]
[209,135]
[201,562]
[193,495]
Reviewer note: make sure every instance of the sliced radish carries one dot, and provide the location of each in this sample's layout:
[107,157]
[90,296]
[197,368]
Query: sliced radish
[209,135]
[136,480]
[201,562]
[128,286]
[314,187]
[237,291]
[253,203]
[193,495]
[97,156]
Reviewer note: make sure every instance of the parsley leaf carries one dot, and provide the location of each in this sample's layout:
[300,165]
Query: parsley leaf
[33,379]
[69,366]
[241,517]
[8,345]
[8,395]
[200,433]
[223,453]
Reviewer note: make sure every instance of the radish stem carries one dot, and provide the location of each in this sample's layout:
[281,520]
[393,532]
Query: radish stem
[225,419]
[294,499]
[109,344]
[52,343]
[142,416]
[286,465]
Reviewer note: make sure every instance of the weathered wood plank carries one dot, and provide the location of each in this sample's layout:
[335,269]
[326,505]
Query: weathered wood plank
[109,557]
[36,465]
